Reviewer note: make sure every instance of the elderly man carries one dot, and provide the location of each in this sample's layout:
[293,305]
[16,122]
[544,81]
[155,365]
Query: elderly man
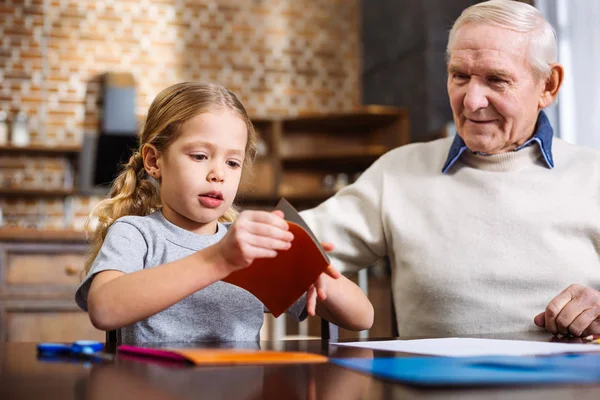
[498,228]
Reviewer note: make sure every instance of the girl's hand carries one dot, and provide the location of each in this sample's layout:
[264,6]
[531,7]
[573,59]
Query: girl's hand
[318,290]
[255,234]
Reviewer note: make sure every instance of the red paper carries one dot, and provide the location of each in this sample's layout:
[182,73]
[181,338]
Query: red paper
[278,282]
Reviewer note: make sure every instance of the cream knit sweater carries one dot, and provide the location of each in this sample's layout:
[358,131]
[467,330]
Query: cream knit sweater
[482,249]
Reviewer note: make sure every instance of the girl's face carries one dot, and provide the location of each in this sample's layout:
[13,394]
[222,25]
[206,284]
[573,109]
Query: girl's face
[200,171]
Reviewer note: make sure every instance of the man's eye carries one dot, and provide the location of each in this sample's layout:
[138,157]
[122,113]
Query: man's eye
[496,79]
[460,76]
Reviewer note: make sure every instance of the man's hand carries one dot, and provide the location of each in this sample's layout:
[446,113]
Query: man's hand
[575,311]
[319,288]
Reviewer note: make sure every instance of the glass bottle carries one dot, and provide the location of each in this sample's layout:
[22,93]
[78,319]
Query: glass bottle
[3,128]
[19,135]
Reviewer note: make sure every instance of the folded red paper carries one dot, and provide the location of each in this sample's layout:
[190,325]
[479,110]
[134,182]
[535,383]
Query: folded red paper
[279,282]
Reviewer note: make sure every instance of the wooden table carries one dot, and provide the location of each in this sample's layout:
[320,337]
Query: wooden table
[22,376]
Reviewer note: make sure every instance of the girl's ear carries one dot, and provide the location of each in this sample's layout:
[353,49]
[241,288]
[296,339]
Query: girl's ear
[151,155]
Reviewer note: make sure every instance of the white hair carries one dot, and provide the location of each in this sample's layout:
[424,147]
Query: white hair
[519,17]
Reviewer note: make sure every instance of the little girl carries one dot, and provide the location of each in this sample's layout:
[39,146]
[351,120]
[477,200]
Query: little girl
[164,243]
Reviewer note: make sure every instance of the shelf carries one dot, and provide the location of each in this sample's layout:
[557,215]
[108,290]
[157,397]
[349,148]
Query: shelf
[360,118]
[302,151]
[41,235]
[351,156]
[254,198]
[315,197]
[24,192]
[373,110]
[312,198]
[40,149]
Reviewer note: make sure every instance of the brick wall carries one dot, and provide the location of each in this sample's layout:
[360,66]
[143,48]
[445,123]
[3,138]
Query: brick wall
[281,57]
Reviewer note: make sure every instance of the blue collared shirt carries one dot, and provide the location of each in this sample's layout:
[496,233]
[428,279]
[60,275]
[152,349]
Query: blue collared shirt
[542,136]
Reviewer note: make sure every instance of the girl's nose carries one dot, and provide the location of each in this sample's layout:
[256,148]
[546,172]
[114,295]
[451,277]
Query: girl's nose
[216,174]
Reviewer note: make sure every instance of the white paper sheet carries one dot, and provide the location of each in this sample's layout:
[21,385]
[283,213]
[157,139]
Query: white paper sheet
[467,347]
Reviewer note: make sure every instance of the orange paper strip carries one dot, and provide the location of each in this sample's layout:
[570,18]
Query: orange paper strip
[223,356]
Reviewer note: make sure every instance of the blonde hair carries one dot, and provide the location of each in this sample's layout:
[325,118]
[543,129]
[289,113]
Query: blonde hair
[516,16]
[132,192]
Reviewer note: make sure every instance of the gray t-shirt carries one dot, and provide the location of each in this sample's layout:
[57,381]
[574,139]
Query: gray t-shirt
[219,312]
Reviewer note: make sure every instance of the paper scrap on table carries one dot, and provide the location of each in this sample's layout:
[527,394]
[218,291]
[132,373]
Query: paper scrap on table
[469,347]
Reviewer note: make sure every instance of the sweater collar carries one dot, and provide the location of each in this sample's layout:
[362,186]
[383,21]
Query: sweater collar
[542,137]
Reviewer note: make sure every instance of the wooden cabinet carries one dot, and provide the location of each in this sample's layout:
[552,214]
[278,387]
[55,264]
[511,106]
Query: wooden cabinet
[40,267]
[37,288]
[37,185]
[38,171]
[46,321]
[305,158]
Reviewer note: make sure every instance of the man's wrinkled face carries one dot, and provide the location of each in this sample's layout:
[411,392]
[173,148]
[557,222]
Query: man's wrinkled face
[493,91]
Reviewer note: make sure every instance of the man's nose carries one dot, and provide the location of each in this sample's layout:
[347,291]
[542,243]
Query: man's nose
[475,97]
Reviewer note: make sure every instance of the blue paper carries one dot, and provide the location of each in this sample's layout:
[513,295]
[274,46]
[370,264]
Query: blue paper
[478,371]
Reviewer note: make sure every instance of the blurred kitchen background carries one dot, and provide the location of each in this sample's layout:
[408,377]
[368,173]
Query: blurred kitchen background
[330,84]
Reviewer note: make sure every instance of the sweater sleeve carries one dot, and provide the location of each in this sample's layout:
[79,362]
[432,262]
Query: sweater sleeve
[352,221]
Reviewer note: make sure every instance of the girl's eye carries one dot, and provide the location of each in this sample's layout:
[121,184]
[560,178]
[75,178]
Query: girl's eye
[199,157]
[233,164]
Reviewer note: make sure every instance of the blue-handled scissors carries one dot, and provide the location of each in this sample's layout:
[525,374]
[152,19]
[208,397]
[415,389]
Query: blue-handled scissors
[79,349]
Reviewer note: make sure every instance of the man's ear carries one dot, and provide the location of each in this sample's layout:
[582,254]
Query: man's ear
[151,155]
[552,85]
